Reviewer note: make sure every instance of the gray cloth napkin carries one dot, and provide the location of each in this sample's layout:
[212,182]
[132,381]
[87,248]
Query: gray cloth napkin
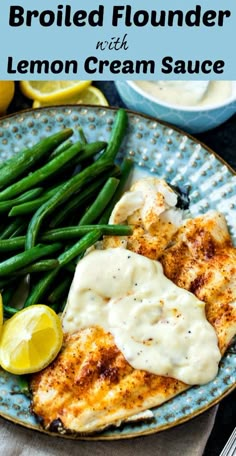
[188,439]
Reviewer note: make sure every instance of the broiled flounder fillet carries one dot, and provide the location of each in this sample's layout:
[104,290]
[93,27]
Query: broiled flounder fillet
[202,260]
[150,207]
[90,385]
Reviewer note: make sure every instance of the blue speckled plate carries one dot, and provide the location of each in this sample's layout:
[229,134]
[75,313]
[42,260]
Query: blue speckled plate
[157,149]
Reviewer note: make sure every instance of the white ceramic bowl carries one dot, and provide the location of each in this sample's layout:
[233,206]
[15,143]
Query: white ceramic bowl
[191,119]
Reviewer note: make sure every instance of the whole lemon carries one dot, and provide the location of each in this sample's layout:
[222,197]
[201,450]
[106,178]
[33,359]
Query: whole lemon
[7,89]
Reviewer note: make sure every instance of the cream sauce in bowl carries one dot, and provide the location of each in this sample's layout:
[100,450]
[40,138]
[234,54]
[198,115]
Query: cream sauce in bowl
[188,93]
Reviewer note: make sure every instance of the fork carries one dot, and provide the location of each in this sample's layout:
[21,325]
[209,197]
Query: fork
[230,446]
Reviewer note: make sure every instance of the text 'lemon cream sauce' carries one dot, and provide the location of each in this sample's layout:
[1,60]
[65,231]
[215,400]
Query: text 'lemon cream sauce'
[158,326]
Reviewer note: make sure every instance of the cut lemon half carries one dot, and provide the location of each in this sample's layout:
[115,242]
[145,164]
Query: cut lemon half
[92,95]
[31,339]
[52,91]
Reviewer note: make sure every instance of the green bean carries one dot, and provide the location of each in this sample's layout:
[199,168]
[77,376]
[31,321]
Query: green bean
[42,286]
[61,307]
[6,205]
[62,234]
[25,159]
[73,204]
[2,164]
[39,266]
[27,208]
[117,134]
[70,267]
[30,194]
[89,150]
[11,244]
[23,259]
[3,225]
[10,311]
[21,228]
[85,158]
[31,206]
[39,290]
[82,198]
[74,232]
[82,136]
[23,385]
[70,187]
[42,173]
[126,168]
[102,200]
[60,291]
[7,295]
[51,190]
[83,244]
[61,148]
[12,228]
[79,180]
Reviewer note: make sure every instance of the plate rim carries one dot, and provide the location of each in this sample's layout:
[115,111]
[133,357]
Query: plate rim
[129,111]
[103,437]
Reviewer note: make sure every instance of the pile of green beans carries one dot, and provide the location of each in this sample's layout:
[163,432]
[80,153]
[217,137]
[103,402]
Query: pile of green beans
[55,201]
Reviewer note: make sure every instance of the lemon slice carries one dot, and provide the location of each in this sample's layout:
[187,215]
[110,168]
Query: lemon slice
[92,95]
[7,90]
[1,313]
[52,91]
[30,340]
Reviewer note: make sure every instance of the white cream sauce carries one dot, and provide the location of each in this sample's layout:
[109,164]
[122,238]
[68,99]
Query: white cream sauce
[158,326]
[188,93]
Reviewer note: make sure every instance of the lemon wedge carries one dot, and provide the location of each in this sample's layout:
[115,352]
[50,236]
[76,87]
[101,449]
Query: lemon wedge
[92,95]
[52,91]
[1,313]
[7,90]
[31,339]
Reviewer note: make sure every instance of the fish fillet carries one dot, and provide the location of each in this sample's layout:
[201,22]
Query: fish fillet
[202,260]
[90,385]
